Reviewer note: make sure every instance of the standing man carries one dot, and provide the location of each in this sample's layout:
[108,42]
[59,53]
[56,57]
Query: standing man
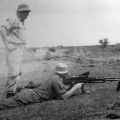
[12,34]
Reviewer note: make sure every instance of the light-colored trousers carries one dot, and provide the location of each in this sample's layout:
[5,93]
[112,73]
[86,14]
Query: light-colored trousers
[14,60]
[14,56]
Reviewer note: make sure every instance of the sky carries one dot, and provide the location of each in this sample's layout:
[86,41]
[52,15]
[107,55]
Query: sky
[67,22]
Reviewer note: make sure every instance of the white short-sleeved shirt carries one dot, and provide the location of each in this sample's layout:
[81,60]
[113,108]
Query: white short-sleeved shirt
[15,32]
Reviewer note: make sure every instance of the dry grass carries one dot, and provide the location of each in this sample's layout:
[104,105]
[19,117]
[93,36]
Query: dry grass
[92,106]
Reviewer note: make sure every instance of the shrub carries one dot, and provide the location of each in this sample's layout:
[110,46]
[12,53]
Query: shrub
[103,42]
[52,49]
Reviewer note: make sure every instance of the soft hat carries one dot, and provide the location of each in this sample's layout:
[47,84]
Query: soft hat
[61,68]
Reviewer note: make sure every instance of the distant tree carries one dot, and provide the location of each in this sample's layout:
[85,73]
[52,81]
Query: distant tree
[52,49]
[60,46]
[103,42]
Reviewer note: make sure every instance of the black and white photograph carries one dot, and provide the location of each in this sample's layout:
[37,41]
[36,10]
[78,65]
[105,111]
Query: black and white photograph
[59,59]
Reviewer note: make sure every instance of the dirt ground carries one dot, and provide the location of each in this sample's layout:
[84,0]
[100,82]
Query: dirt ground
[89,106]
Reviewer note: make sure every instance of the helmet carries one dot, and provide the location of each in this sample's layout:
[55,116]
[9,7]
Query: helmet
[61,68]
[23,7]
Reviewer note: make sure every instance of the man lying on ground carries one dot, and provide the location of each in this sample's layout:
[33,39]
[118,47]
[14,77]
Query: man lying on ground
[53,88]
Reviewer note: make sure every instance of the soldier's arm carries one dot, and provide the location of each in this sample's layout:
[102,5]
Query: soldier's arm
[4,30]
[3,34]
[72,91]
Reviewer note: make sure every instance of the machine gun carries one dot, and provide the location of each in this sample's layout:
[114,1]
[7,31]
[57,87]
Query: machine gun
[84,78]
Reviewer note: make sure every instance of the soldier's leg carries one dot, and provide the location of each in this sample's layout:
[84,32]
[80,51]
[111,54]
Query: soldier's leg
[11,85]
[7,103]
[14,60]
[9,88]
[25,97]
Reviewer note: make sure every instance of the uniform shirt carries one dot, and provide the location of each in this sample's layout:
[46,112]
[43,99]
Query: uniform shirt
[15,32]
[53,88]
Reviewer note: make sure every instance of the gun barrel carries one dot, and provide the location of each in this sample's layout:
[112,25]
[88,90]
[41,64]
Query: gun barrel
[113,79]
[84,79]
